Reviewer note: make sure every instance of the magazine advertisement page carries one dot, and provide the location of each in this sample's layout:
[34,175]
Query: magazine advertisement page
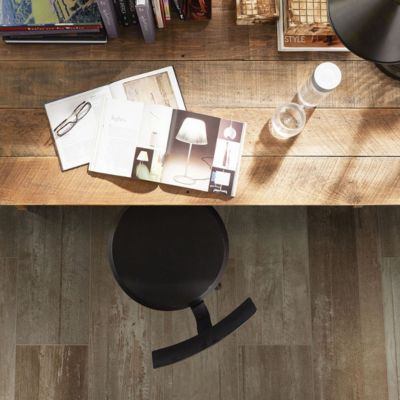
[203,153]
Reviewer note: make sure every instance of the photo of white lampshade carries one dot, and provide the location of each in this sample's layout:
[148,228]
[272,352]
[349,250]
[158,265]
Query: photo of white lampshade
[230,133]
[143,156]
[142,171]
[193,131]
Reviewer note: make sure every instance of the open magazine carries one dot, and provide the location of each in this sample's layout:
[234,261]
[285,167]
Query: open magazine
[74,120]
[167,145]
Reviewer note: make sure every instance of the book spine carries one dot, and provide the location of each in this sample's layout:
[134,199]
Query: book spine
[146,20]
[109,17]
[132,12]
[48,30]
[124,12]
[50,27]
[199,10]
[157,13]
[167,10]
[161,3]
[117,11]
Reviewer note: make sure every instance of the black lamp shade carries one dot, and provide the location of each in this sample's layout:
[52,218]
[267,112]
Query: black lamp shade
[369,28]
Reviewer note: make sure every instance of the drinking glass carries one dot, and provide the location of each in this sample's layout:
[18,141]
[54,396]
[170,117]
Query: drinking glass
[288,121]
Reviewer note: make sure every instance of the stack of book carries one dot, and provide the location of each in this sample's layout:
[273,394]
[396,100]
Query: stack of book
[91,21]
[39,21]
[150,14]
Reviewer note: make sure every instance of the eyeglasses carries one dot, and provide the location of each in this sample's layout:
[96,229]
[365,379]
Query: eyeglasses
[79,113]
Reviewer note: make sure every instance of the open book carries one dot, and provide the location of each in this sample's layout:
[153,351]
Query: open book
[74,120]
[167,145]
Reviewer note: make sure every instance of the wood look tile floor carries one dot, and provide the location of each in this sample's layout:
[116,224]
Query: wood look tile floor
[326,282]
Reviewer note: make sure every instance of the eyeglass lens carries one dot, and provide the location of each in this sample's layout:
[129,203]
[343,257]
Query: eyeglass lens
[80,112]
[65,128]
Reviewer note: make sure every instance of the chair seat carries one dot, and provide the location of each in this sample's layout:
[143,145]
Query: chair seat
[169,258]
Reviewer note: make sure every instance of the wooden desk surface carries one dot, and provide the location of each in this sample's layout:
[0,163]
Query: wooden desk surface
[349,153]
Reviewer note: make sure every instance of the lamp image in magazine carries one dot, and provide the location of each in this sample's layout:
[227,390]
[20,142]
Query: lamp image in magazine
[169,146]
[198,147]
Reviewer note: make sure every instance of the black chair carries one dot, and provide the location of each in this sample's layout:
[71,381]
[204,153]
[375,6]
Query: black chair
[170,258]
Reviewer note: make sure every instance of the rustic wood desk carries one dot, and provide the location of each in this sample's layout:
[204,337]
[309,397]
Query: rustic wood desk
[349,153]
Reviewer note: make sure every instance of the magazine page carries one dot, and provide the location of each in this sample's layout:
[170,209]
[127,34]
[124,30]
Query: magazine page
[74,124]
[203,153]
[155,87]
[152,143]
[117,136]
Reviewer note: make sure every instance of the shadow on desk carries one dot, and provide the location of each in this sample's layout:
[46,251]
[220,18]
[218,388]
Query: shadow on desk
[129,184]
[268,141]
[144,187]
[175,190]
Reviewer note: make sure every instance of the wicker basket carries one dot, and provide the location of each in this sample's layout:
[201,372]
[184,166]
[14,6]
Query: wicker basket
[250,12]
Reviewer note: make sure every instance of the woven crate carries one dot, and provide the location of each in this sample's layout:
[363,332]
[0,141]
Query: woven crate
[250,12]
[307,17]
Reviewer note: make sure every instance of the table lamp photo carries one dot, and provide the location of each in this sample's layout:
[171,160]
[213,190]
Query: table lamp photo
[371,30]
[142,171]
[193,131]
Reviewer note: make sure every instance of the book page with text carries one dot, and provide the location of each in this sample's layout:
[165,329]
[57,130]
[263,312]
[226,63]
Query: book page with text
[117,137]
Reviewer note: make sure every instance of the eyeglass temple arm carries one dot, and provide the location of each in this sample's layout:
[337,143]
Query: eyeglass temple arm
[208,334]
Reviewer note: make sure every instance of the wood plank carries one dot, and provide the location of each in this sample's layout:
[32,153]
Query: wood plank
[330,132]
[39,278]
[269,260]
[389,229]
[8,308]
[75,265]
[296,279]
[371,303]
[8,232]
[53,276]
[337,348]
[119,352]
[391,298]
[25,133]
[276,373]
[203,83]
[263,181]
[51,372]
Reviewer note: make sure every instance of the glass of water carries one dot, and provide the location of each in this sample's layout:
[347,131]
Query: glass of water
[288,121]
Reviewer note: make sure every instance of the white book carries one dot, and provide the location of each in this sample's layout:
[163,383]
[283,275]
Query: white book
[74,120]
[169,146]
